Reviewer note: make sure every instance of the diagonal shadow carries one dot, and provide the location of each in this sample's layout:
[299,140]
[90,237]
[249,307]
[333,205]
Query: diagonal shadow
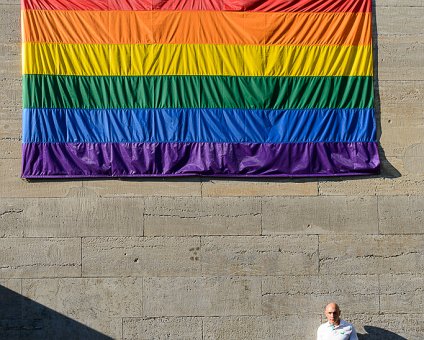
[377,333]
[22,318]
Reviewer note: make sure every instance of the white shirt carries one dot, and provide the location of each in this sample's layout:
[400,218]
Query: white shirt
[344,331]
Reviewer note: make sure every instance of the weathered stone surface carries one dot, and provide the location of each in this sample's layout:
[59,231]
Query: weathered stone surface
[162,328]
[396,140]
[401,214]
[389,24]
[10,129]
[414,159]
[402,293]
[277,187]
[274,255]
[81,216]
[202,216]
[11,96]
[10,61]
[218,296]
[96,303]
[12,186]
[402,103]
[388,326]
[10,148]
[145,187]
[10,24]
[394,180]
[40,257]
[11,221]
[297,294]
[404,51]
[261,327]
[140,256]
[397,3]
[367,254]
[320,215]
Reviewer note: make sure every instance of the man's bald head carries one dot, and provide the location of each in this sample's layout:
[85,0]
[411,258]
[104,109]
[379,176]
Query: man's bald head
[332,312]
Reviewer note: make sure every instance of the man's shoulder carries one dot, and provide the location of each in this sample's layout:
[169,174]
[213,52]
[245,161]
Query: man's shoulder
[323,326]
[344,323]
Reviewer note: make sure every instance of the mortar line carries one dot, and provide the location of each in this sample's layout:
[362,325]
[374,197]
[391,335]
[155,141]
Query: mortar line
[203,328]
[318,255]
[81,255]
[144,217]
[201,188]
[142,299]
[262,217]
[378,217]
[201,256]
[262,296]
[379,294]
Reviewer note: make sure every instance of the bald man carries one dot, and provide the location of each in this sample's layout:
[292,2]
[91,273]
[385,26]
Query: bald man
[335,328]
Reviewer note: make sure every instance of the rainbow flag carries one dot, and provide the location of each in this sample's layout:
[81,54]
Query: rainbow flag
[133,88]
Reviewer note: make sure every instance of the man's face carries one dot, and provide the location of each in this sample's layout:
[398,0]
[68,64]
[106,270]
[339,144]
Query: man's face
[332,313]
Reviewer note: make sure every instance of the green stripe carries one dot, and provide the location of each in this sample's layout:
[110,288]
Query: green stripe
[42,91]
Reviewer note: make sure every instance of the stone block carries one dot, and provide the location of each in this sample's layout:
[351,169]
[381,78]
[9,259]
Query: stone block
[202,216]
[258,187]
[400,56]
[140,256]
[293,327]
[96,303]
[217,296]
[12,186]
[10,61]
[293,295]
[11,218]
[10,24]
[320,215]
[396,140]
[394,180]
[145,187]
[10,129]
[388,326]
[40,257]
[11,96]
[10,148]
[389,24]
[81,216]
[402,103]
[162,328]
[401,214]
[371,254]
[402,293]
[396,3]
[255,255]
[414,159]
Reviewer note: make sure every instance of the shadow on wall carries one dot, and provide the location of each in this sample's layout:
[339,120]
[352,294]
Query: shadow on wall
[22,318]
[376,333]
[387,170]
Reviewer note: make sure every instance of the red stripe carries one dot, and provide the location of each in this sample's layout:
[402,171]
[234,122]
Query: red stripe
[205,5]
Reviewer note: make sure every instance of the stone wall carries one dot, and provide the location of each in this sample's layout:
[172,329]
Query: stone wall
[219,259]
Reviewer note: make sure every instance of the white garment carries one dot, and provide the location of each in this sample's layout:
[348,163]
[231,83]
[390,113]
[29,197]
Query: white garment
[344,331]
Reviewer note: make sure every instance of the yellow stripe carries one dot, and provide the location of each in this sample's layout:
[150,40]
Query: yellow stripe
[227,60]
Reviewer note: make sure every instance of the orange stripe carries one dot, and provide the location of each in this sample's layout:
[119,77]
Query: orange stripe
[196,27]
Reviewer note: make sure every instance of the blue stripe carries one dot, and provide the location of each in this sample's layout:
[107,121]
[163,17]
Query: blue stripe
[198,125]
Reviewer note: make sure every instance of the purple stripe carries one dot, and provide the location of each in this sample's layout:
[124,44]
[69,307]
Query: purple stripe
[64,160]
